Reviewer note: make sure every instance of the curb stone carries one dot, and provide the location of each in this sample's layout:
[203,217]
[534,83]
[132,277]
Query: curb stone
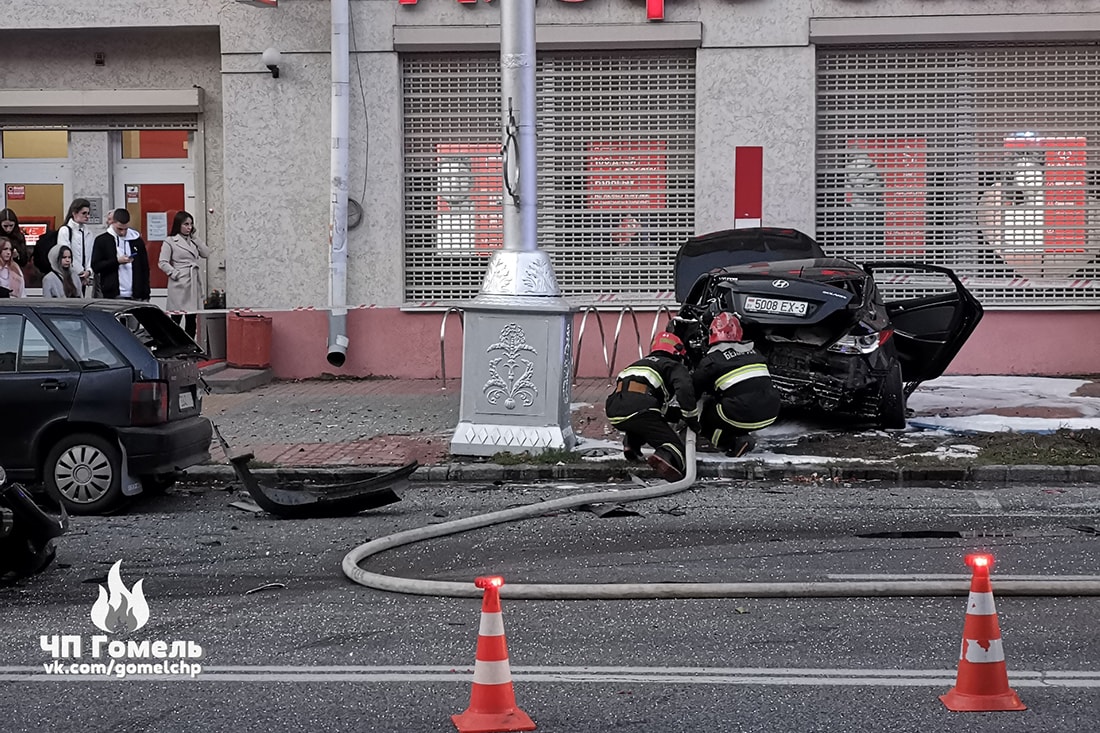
[602,473]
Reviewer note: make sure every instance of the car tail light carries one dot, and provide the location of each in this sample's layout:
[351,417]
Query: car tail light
[861,344]
[149,403]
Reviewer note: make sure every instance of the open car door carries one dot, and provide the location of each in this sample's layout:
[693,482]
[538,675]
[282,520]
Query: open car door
[928,331]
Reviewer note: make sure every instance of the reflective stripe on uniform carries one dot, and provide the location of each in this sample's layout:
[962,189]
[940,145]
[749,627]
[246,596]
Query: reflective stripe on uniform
[624,418]
[744,425]
[693,413]
[717,436]
[647,374]
[672,448]
[741,374]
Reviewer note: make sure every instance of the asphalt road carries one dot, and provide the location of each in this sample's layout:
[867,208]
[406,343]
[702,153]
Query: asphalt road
[289,644]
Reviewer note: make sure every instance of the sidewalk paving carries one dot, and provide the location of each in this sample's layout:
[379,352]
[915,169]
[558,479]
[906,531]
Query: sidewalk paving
[337,426]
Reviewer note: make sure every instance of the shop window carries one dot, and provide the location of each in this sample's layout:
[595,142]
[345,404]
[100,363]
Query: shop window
[147,144]
[981,158]
[615,189]
[35,143]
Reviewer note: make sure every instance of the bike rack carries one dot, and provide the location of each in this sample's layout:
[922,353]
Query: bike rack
[442,338]
[580,338]
[657,319]
[615,343]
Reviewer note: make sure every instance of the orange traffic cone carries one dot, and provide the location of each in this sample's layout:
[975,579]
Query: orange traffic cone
[492,701]
[982,682]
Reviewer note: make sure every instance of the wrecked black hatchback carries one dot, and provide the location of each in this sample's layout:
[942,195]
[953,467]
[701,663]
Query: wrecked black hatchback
[101,399]
[830,341]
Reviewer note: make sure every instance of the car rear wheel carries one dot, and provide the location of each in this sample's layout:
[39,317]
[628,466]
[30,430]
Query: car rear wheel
[891,410]
[84,473]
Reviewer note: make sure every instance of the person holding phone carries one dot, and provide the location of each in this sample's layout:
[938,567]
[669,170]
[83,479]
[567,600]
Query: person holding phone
[120,261]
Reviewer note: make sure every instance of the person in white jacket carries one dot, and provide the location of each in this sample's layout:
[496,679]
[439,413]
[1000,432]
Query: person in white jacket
[181,256]
[78,237]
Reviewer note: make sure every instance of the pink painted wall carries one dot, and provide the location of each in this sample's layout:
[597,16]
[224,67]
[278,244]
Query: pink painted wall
[389,342]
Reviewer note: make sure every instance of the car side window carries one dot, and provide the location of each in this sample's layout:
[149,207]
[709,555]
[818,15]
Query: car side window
[11,329]
[90,349]
[31,350]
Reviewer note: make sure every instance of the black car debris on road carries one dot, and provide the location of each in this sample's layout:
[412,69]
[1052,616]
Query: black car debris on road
[830,341]
[100,399]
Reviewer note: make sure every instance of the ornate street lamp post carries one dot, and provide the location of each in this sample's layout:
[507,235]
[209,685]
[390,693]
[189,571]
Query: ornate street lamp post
[517,342]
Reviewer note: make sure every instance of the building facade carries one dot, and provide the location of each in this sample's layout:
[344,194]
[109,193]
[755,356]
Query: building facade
[964,133]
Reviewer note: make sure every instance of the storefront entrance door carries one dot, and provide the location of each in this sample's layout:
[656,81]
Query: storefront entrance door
[153,199]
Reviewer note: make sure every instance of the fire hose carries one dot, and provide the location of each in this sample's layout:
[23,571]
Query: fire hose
[647,591]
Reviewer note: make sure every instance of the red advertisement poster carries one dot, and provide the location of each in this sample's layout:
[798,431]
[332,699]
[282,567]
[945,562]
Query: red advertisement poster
[469,216]
[627,175]
[901,166]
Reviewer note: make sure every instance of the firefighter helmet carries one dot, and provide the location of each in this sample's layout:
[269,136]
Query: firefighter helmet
[725,327]
[669,343]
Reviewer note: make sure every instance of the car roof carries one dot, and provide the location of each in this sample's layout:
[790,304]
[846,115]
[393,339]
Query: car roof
[72,304]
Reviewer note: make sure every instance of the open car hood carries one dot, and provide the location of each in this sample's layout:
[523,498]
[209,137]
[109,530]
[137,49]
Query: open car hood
[734,247]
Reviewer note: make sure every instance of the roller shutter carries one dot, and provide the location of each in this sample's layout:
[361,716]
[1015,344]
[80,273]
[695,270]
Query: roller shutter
[982,158]
[616,160]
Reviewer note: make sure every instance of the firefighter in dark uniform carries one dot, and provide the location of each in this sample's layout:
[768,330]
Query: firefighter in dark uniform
[735,389]
[641,406]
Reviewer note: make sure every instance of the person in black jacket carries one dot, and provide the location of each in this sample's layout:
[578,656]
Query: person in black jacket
[120,260]
[733,381]
[640,405]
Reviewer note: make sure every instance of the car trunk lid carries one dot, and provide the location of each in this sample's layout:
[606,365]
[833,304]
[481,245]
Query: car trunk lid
[734,247]
[176,356]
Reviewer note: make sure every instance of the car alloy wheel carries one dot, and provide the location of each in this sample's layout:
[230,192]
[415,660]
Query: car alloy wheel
[83,472]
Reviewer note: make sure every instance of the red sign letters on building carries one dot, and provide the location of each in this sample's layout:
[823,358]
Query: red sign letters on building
[627,175]
[654,9]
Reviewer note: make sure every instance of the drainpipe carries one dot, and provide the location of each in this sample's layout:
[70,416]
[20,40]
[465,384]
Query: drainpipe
[338,221]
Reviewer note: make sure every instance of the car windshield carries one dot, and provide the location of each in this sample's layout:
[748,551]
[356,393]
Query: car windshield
[160,334]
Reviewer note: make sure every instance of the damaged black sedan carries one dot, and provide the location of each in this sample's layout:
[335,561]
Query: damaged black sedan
[831,342]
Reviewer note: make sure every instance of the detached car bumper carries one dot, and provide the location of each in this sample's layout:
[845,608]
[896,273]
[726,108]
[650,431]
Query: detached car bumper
[166,448]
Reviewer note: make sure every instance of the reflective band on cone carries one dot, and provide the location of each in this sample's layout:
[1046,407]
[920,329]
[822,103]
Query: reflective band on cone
[492,699]
[982,681]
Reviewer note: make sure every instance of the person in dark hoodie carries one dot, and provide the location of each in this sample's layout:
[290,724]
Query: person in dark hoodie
[642,405]
[736,388]
[120,260]
[9,228]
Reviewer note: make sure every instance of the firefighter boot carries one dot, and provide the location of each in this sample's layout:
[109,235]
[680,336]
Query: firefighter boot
[632,454]
[742,444]
[665,469]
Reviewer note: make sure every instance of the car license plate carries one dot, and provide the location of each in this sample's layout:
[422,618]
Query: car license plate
[187,400]
[776,305]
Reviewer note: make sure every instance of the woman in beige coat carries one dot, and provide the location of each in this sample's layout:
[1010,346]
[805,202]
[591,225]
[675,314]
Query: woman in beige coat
[180,259]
